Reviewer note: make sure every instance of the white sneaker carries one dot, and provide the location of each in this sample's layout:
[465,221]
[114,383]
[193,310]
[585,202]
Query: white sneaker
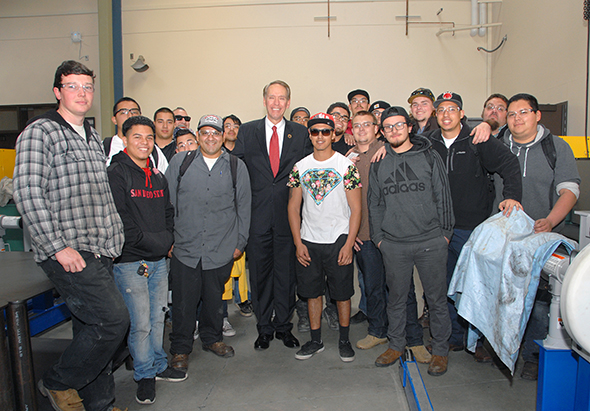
[228,330]
[196,334]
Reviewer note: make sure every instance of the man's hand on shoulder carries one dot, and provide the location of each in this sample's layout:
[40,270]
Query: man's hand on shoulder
[379,155]
[481,133]
[70,260]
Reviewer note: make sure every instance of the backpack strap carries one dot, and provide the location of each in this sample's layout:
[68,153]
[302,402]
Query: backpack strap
[548,146]
[155,156]
[186,162]
[106,143]
[233,165]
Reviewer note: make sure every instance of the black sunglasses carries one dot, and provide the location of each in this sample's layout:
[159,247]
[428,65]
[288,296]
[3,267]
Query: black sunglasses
[316,132]
[186,118]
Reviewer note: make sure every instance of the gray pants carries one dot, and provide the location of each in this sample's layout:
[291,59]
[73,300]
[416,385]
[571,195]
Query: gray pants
[430,258]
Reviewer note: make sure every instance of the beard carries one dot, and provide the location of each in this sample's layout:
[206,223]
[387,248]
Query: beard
[398,143]
[493,124]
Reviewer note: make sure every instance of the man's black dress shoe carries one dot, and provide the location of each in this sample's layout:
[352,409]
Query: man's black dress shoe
[263,341]
[288,339]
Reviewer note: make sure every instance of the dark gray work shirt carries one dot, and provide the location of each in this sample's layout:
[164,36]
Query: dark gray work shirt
[207,225]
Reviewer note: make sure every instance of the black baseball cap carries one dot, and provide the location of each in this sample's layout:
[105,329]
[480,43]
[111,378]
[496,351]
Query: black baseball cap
[421,92]
[356,93]
[395,111]
[449,96]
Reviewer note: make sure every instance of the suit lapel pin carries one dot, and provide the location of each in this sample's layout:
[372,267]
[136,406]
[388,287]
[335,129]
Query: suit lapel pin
[289,136]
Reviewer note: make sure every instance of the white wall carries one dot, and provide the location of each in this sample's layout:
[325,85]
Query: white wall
[545,54]
[35,37]
[215,57]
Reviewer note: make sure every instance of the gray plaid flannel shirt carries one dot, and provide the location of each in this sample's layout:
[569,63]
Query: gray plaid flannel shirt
[61,189]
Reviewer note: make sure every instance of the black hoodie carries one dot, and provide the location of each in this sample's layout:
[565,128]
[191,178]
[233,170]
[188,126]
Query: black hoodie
[143,202]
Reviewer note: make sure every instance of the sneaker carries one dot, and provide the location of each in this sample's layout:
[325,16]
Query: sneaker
[196,334]
[228,330]
[346,351]
[146,391]
[358,318]
[303,325]
[309,349]
[369,342]
[67,400]
[246,308]
[172,375]
[331,315]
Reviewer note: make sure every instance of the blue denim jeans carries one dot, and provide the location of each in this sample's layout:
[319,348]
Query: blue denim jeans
[146,299]
[100,321]
[370,263]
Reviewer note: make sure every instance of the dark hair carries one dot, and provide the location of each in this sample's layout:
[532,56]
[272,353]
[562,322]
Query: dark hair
[280,83]
[234,118]
[341,105]
[137,121]
[366,113]
[183,131]
[122,99]
[532,100]
[163,110]
[71,67]
[497,95]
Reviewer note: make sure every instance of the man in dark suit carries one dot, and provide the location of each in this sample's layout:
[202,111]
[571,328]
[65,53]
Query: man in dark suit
[270,147]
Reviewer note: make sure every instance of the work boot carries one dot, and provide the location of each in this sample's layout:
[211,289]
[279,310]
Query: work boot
[369,342]
[421,354]
[388,358]
[67,400]
[438,365]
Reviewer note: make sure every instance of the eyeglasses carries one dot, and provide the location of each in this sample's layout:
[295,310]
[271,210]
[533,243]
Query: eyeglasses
[377,113]
[188,143]
[422,104]
[316,132]
[450,110]
[520,113]
[366,124]
[179,118]
[499,109]
[126,111]
[389,128]
[359,101]
[231,126]
[299,118]
[73,87]
[208,133]
[339,117]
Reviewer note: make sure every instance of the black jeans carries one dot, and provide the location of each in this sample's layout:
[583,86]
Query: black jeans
[100,321]
[189,286]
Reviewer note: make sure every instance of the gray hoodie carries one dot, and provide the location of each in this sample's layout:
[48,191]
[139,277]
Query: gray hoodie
[537,176]
[408,196]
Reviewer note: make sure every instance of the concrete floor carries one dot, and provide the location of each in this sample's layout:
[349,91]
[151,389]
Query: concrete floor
[275,380]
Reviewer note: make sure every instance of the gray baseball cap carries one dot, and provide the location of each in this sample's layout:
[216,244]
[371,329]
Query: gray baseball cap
[211,120]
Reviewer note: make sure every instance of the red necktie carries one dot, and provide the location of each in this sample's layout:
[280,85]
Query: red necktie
[273,151]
